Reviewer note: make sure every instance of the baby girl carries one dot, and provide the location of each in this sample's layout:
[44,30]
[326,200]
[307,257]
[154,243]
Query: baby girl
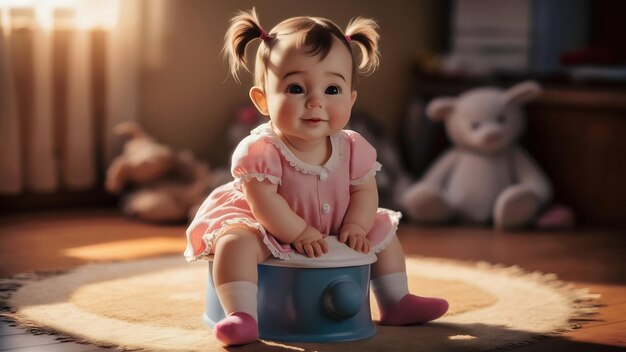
[301,177]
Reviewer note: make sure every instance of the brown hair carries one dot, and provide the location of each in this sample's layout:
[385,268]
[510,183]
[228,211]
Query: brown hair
[314,32]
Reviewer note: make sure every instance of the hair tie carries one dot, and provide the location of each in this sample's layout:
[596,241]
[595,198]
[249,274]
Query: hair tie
[264,36]
[348,38]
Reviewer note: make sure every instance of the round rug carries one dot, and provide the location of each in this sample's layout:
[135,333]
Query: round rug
[156,305]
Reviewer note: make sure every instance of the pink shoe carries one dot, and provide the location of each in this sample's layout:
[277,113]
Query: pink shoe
[237,328]
[412,309]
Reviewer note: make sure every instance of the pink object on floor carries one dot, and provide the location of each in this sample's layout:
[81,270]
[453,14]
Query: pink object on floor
[558,217]
[237,328]
[412,309]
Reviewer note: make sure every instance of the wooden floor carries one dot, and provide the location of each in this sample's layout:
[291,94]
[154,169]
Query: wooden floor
[593,259]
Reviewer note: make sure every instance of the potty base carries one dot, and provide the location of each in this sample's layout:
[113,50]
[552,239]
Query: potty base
[307,304]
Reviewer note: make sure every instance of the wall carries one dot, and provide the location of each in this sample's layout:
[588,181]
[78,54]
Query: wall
[188,99]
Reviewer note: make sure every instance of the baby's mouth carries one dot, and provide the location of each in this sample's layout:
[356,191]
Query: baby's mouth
[314,120]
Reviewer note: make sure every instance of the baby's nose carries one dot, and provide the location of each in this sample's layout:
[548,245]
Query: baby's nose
[314,102]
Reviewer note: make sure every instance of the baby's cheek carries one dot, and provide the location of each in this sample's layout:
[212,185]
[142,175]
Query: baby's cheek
[287,110]
[339,115]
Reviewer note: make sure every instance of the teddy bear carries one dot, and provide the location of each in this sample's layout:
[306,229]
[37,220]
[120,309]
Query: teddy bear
[157,184]
[485,177]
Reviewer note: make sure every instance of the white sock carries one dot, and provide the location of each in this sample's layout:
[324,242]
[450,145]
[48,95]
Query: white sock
[389,289]
[239,296]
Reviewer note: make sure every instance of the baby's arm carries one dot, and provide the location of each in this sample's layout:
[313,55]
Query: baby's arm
[275,214]
[360,215]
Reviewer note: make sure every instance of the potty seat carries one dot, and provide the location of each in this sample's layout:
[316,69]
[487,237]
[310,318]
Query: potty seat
[309,299]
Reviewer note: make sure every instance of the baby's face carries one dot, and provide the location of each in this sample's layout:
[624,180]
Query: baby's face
[309,98]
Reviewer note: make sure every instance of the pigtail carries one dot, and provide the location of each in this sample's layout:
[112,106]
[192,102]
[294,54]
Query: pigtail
[363,32]
[243,29]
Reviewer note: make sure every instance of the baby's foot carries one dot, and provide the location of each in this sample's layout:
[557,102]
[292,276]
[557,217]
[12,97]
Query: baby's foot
[412,309]
[237,328]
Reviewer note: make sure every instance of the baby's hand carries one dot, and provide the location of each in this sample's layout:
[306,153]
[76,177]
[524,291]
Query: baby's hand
[355,236]
[310,242]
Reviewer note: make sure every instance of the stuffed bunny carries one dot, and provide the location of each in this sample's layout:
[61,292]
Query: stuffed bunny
[485,176]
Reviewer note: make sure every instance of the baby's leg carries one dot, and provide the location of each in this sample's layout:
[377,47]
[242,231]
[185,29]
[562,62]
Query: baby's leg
[237,254]
[389,284]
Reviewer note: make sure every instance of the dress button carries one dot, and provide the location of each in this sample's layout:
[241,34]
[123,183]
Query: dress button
[325,208]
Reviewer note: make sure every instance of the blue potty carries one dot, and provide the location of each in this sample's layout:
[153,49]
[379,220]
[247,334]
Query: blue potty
[309,299]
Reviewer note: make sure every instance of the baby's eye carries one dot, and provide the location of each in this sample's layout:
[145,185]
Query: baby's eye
[295,89]
[333,90]
[501,118]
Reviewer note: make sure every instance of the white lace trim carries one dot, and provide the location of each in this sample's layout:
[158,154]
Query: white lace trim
[338,142]
[258,176]
[395,217]
[377,166]
[338,145]
[209,239]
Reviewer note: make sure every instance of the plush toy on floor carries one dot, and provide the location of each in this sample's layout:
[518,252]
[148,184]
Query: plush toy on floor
[485,176]
[157,183]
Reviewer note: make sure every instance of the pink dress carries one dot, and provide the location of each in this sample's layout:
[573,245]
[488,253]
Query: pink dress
[318,194]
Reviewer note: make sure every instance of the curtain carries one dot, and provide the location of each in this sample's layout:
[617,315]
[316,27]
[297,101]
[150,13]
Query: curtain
[69,72]
[11,180]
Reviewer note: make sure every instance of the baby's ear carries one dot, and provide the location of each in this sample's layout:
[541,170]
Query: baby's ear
[440,108]
[523,92]
[257,95]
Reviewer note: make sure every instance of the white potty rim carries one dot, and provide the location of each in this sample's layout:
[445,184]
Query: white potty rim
[339,255]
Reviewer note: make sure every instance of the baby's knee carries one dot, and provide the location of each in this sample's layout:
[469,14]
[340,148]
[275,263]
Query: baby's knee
[234,239]
[240,241]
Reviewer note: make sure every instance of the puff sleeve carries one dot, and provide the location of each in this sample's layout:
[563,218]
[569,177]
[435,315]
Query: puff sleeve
[256,158]
[363,162]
